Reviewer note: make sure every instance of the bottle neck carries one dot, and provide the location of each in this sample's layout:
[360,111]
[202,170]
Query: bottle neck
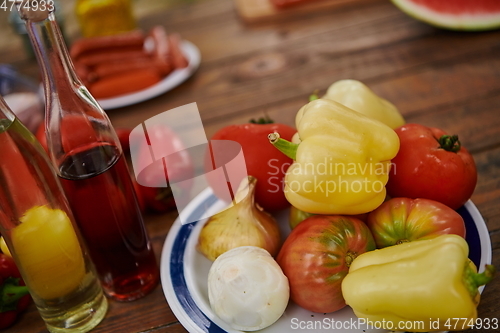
[58,75]
[73,118]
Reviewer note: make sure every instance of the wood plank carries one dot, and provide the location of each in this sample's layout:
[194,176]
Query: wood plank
[274,76]
[475,121]
[487,193]
[221,35]
[405,91]
[292,73]
[150,311]
[252,11]
[174,328]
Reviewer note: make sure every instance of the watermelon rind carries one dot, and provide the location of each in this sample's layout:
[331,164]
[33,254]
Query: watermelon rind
[465,22]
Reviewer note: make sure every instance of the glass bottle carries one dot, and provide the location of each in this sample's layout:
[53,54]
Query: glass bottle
[19,27]
[104,17]
[39,229]
[89,160]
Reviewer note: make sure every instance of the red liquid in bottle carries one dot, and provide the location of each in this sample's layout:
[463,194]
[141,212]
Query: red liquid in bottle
[110,220]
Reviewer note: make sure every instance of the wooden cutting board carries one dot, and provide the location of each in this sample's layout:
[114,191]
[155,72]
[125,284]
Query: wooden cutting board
[261,10]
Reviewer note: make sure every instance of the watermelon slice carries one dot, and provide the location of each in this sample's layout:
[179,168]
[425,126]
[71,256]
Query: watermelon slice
[454,14]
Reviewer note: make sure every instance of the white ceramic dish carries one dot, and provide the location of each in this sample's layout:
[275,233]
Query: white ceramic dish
[171,81]
[184,274]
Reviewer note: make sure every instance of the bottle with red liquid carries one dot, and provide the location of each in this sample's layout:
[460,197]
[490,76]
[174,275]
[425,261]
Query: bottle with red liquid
[85,150]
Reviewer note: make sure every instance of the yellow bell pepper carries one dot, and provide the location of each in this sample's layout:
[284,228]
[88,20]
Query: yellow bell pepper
[420,286]
[359,97]
[341,162]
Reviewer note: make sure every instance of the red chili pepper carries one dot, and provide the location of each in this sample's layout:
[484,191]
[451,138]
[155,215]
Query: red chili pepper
[14,297]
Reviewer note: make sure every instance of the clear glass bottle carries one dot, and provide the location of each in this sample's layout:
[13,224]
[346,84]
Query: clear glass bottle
[104,17]
[39,229]
[19,27]
[89,160]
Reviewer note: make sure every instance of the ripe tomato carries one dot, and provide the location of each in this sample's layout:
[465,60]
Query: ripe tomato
[123,136]
[400,220]
[316,257]
[40,135]
[431,165]
[12,306]
[156,195]
[263,161]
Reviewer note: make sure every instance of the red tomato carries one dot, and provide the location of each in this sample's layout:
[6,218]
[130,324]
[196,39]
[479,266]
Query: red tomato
[432,165]
[263,161]
[157,196]
[16,300]
[316,257]
[8,267]
[400,220]
[155,199]
[123,136]
[40,135]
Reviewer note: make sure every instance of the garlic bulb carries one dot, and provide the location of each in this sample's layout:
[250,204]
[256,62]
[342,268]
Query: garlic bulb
[245,223]
[247,288]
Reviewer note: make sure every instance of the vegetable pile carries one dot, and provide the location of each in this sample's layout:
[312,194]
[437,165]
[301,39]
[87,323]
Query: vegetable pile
[373,217]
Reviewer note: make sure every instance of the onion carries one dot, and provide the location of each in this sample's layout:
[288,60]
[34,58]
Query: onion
[247,288]
[244,224]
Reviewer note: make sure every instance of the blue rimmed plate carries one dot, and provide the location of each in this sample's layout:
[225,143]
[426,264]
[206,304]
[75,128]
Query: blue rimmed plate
[184,274]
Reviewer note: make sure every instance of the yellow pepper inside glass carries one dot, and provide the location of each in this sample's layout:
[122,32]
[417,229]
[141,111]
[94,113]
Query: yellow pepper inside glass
[48,248]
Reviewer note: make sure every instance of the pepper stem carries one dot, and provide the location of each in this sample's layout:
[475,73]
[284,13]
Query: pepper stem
[314,96]
[11,292]
[286,147]
[450,143]
[474,280]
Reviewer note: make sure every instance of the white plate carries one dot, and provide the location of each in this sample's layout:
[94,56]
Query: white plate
[184,273]
[171,81]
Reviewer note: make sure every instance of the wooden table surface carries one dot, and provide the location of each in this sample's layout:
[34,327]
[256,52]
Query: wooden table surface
[435,77]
